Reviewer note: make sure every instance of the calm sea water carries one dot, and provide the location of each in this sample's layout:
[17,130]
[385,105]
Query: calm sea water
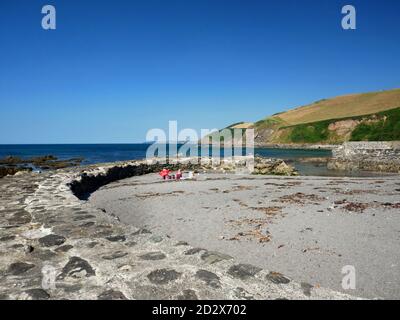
[92,153]
[99,153]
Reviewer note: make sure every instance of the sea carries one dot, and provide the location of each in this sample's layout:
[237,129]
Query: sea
[101,153]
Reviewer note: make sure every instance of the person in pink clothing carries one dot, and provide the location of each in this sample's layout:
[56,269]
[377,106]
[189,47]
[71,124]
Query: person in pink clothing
[164,173]
[178,175]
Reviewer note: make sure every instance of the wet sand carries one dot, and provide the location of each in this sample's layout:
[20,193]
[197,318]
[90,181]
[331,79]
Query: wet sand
[308,228]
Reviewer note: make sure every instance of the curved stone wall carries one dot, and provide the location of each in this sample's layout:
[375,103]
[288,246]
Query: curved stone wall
[87,184]
[59,247]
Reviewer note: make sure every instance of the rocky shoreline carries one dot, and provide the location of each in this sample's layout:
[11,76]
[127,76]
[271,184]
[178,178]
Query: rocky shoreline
[56,246]
[11,165]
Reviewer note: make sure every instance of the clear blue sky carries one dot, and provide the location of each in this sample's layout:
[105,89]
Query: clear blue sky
[114,69]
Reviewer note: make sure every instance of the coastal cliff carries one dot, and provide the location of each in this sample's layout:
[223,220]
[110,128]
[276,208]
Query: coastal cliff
[372,116]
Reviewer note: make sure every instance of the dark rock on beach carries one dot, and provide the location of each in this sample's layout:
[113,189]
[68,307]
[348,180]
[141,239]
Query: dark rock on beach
[64,248]
[243,271]
[52,240]
[115,255]
[209,278]
[37,294]
[214,257]
[118,238]
[18,268]
[153,256]
[277,278]
[112,295]
[163,276]
[77,268]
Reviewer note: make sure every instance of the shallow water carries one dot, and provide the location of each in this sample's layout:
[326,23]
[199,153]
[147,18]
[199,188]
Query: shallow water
[320,169]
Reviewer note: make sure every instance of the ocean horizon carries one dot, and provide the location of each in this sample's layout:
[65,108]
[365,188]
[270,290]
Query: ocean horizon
[112,152]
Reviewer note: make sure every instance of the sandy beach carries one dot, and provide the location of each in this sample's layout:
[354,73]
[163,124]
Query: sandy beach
[309,228]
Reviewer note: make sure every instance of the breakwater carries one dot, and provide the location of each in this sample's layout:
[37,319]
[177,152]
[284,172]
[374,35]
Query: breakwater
[369,156]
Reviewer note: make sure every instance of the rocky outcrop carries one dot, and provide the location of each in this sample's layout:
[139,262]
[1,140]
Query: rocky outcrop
[343,128]
[41,162]
[274,167]
[369,156]
[60,247]
[6,170]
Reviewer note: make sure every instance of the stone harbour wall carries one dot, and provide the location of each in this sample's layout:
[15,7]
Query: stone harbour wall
[89,183]
[370,156]
[54,245]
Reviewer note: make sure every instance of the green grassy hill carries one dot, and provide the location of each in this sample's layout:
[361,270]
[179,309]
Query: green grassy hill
[373,116]
[367,116]
[381,126]
[342,107]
